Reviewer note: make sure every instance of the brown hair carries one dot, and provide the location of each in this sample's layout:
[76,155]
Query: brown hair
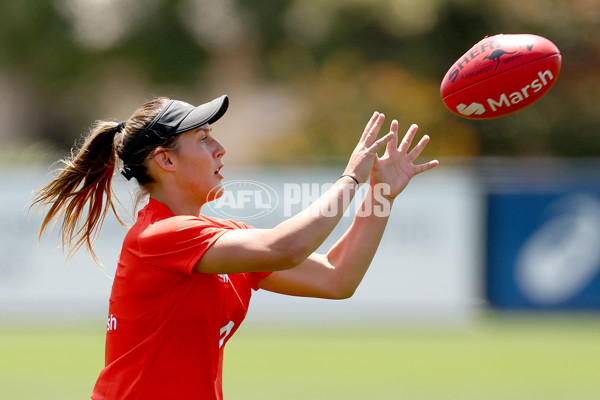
[77,194]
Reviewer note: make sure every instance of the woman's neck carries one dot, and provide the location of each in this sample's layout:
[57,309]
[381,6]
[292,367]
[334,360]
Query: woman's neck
[178,203]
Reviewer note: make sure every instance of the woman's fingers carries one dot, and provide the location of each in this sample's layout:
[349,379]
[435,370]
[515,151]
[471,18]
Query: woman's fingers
[392,144]
[418,149]
[408,138]
[369,126]
[375,147]
[426,167]
[372,129]
[416,152]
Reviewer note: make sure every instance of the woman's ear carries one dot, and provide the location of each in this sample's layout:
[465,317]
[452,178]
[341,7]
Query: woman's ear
[164,159]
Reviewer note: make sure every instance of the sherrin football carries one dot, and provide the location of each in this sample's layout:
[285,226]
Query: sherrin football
[501,75]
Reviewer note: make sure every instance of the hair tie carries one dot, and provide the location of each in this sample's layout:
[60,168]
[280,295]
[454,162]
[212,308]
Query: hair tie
[121,126]
[127,172]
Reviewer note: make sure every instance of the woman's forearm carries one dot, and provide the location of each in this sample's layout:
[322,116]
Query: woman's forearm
[303,233]
[353,253]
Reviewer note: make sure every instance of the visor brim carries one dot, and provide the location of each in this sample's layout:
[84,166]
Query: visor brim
[206,113]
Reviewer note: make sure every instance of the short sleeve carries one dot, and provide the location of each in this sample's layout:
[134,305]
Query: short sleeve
[178,243]
[256,277]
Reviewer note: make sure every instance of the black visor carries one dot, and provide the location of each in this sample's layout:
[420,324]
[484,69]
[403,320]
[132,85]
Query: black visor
[175,118]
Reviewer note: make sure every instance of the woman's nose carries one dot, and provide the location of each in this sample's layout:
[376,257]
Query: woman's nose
[221,150]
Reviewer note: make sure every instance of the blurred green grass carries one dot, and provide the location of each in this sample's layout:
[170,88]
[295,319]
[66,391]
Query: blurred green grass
[526,357]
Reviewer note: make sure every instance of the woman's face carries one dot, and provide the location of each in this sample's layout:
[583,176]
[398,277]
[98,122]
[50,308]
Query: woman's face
[198,160]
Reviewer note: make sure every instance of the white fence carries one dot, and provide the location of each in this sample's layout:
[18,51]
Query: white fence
[427,270]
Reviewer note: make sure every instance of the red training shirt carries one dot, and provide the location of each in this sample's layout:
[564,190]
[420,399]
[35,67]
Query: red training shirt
[167,325]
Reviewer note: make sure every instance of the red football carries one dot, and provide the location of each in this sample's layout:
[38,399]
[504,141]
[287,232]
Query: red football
[501,75]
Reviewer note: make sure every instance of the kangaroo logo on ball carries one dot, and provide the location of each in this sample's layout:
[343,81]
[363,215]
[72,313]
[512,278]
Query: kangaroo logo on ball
[495,55]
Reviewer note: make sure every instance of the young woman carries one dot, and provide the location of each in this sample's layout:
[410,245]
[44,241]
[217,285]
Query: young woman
[184,280]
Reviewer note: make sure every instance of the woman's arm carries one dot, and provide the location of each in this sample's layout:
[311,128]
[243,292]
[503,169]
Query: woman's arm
[293,240]
[338,274]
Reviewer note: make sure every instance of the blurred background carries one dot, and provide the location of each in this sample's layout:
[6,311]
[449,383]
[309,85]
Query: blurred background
[487,282]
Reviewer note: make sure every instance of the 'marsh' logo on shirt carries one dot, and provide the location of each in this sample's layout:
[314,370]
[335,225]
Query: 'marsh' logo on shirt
[112,323]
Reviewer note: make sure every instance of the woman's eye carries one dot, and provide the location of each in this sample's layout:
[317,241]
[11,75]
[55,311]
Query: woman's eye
[205,134]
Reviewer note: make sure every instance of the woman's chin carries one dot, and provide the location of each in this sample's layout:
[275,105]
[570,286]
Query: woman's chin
[215,193]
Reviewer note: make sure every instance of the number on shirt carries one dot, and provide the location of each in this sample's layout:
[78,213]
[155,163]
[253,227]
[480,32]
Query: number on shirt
[225,331]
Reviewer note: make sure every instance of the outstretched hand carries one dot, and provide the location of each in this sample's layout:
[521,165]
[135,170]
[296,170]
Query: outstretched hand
[396,167]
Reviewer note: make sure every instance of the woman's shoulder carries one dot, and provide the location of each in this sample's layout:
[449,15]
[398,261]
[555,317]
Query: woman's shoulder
[224,222]
[182,221]
[186,224]
[157,221]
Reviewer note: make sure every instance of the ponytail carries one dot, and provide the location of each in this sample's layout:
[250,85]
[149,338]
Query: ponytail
[83,181]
